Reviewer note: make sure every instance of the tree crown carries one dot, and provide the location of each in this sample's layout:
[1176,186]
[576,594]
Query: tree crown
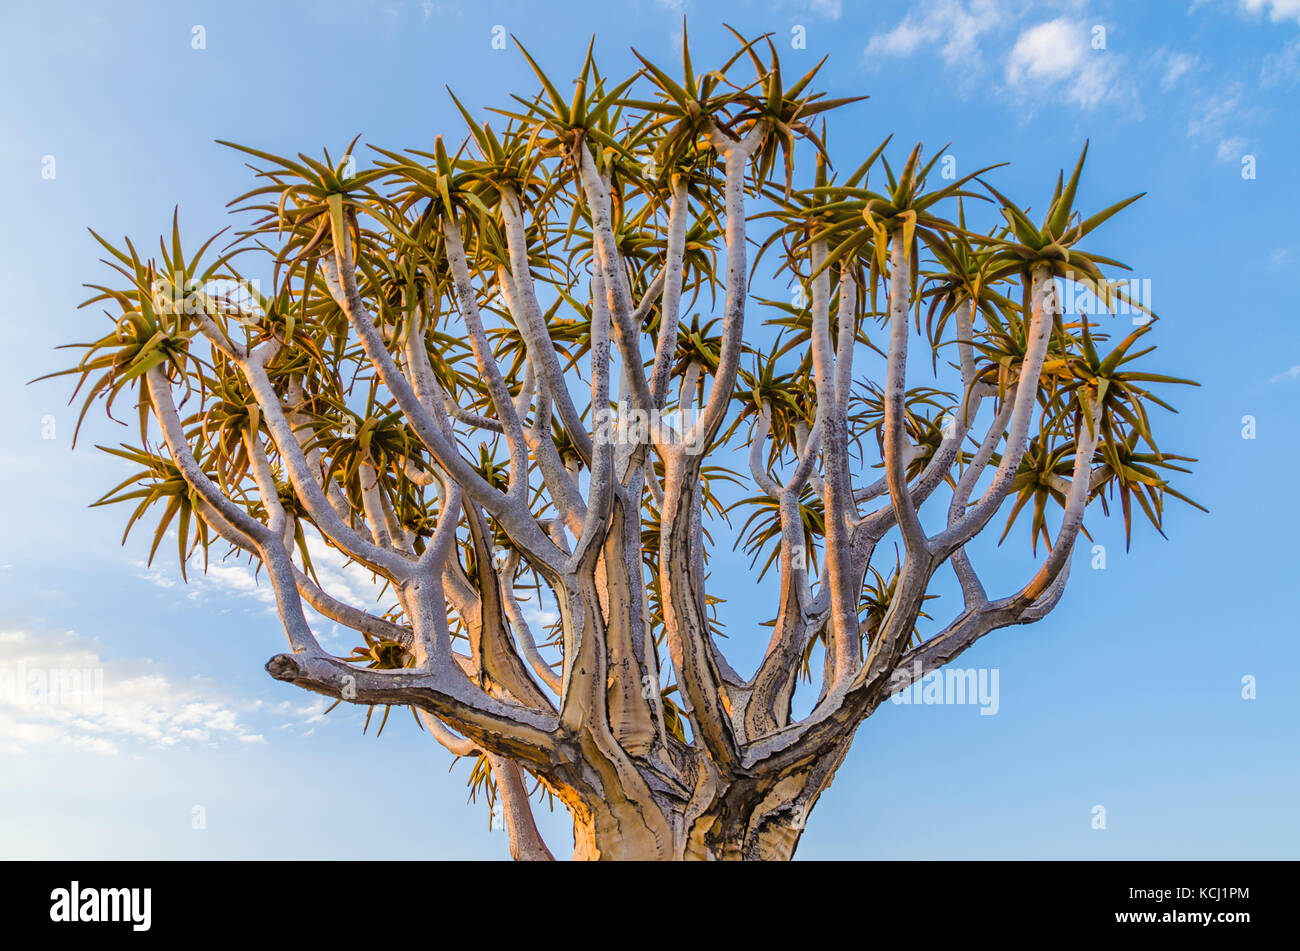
[527,361]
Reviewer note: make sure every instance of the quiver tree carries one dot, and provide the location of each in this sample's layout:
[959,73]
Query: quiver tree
[529,371]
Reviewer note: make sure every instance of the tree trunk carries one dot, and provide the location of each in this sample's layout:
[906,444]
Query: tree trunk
[757,816]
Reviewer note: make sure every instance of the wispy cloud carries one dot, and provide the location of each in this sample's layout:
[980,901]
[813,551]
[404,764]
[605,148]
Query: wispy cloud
[953,26]
[1214,119]
[57,690]
[1175,67]
[1283,67]
[826,9]
[431,10]
[235,577]
[1038,61]
[1231,149]
[1277,10]
[1287,376]
[1213,112]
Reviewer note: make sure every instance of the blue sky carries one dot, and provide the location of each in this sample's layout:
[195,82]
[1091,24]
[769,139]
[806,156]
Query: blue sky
[1129,696]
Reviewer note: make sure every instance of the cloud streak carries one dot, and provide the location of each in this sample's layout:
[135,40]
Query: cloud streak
[57,691]
[1277,10]
[981,41]
[957,25]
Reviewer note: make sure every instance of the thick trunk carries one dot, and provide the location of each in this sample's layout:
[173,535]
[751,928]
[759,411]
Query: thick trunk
[724,834]
[757,817]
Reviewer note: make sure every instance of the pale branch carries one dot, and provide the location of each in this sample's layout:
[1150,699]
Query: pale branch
[502,402]
[520,627]
[670,300]
[895,393]
[1045,310]
[733,321]
[844,587]
[526,843]
[510,512]
[316,597]
[521,299]
[610,268]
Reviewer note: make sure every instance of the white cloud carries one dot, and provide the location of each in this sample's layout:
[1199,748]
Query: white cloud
[1057,56]
[902,40]
[1176,66]
[235,577]
[1231,149]
[345,580]
[957,25]
[1283,67]
[1278,10]
[1287,376]
[310,709]
[1049,59]
[1212,113]
[57,690]
[539,619]
[430,10]
[1210,122]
